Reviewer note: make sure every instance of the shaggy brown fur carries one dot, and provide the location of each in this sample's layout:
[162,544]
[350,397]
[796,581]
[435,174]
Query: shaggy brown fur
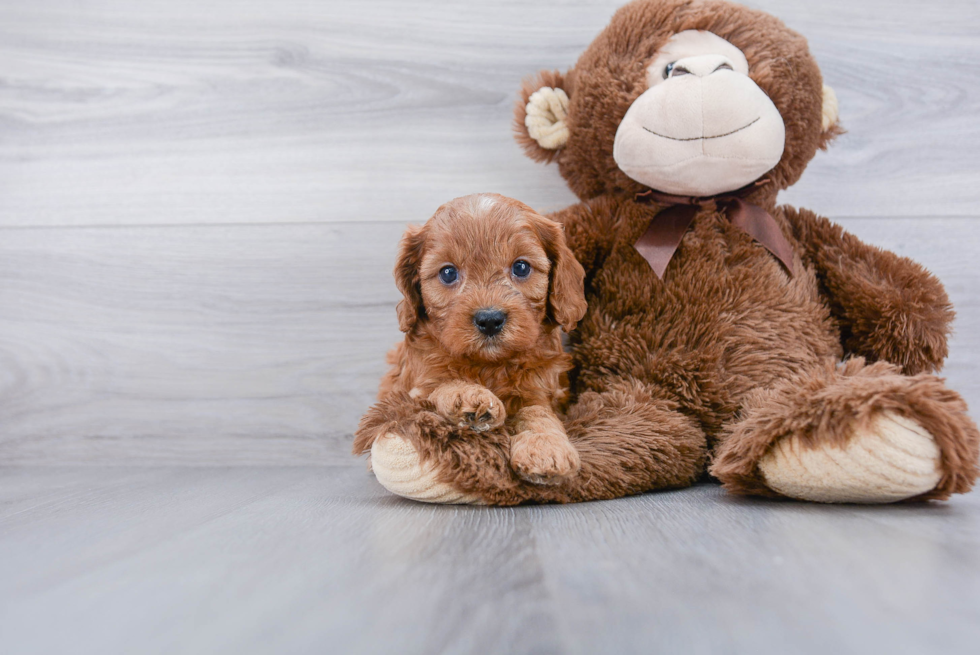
[476,380]
[727,353]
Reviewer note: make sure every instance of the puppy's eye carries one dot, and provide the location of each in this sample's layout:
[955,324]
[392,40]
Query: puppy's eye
[521,268]
[448,274]
[668,69]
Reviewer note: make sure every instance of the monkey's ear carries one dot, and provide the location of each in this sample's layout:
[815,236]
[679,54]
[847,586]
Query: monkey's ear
[829,118]
[566,280]
[410,308]
[540,114]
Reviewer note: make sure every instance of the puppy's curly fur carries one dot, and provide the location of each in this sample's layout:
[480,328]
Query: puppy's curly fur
[488,255]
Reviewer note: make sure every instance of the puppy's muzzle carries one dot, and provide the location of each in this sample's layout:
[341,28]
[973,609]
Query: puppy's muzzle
[489,321]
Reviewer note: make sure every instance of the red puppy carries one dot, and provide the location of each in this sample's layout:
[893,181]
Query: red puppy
[487,283]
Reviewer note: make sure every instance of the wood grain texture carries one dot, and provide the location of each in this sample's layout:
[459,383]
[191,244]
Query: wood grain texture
[256,344]
[252,111]
[198,344]
[319,559]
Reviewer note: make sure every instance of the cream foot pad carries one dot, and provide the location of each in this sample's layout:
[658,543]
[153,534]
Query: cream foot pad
[894,458]
[396,465]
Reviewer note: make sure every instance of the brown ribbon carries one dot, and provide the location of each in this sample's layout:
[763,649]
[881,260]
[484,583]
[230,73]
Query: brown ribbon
[661,240]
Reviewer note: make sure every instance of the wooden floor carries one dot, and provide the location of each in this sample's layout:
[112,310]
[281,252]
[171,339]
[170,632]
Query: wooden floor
[199,206]
[318,559]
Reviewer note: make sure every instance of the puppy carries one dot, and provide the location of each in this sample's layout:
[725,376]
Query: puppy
[487,283]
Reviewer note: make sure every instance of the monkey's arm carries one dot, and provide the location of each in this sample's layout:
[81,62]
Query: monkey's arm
[888,307]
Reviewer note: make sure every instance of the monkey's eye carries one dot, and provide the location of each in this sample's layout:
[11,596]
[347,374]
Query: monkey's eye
[673,70]
[521,268]
[448,274]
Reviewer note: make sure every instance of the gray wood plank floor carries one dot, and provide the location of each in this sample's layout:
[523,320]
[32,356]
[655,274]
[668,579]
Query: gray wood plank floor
[318,559]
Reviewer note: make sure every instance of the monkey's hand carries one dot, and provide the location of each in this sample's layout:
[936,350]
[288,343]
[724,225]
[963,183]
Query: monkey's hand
[888,307]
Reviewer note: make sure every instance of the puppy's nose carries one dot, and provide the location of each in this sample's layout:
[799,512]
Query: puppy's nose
[489,321]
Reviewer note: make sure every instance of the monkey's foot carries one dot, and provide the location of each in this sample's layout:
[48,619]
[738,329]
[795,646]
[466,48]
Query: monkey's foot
[399,469]
[892,458]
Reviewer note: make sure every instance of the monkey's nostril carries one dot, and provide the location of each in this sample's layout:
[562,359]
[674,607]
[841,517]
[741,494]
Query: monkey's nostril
[489,321]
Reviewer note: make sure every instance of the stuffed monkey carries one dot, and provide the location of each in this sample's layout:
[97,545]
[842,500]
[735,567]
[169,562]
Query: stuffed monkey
[725,335]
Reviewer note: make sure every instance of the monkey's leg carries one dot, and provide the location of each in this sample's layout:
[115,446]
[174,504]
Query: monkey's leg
[627,438]
[403,437]
[629,441]
[855,432]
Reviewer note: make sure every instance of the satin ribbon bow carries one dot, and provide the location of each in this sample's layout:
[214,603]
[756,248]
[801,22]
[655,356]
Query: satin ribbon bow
[668,227]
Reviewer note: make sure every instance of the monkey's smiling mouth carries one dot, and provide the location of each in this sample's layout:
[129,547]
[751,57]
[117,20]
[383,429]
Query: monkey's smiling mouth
[699,138]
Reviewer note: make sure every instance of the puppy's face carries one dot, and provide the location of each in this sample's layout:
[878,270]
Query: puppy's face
[487,275]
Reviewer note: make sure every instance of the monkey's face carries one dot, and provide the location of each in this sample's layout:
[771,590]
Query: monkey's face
[689,98]
[703,126]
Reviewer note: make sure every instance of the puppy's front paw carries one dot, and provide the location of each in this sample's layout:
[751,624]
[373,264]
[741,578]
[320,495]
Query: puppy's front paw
[543,458]
[472,406]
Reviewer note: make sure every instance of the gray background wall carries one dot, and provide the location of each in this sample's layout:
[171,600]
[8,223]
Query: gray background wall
[200,202]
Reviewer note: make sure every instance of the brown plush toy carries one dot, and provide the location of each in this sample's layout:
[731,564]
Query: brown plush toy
[759,343]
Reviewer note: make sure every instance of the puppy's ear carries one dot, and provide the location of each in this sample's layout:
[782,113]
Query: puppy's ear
[566,280]
[541,114]
[410,308]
